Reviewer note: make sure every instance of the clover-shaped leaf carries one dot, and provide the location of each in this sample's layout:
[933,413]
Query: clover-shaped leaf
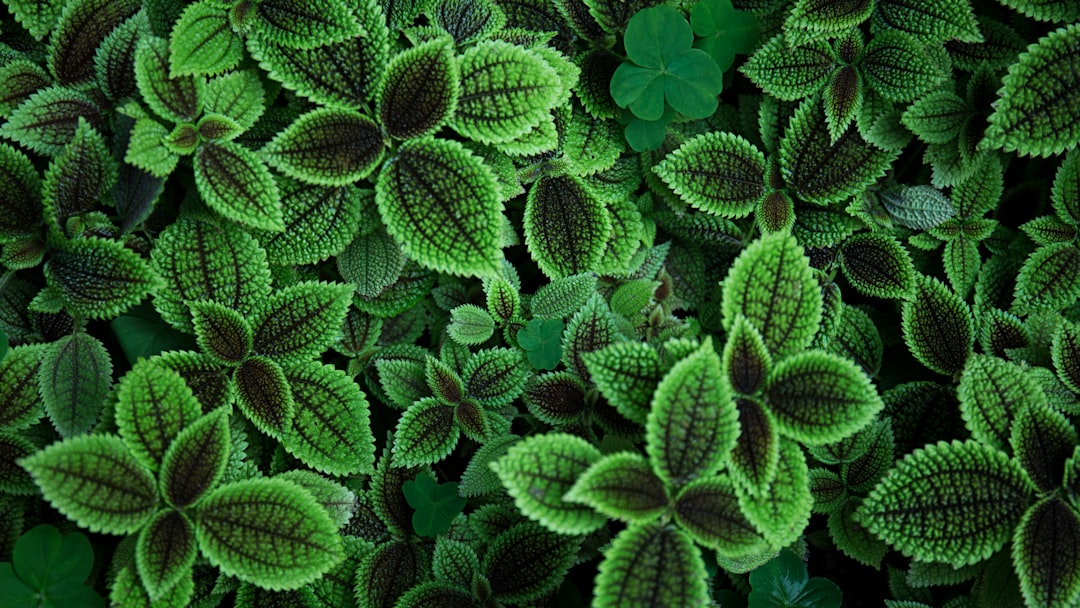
[663,67]
[436,504]
[542,341]
[784,582]
[723,31]
[48,570]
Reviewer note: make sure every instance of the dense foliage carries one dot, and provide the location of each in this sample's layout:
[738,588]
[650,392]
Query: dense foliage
[497,303]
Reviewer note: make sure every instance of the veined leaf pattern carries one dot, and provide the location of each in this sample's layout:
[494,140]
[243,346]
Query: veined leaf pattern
[566,227]
[1046,554]
[719,173]
[622,486]
[938,327]
[263,395]
[234,182]
[153,405]
[419,90]
[74,379]
[165,552]
[300,321]
[651,565]
[303,25]
[327,147]
[46,122]
[195,461]
[82,27]
[202,42]
[177,99]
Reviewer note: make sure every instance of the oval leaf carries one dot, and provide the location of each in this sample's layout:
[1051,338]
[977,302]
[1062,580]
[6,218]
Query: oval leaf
[263,395]
[419,90]
[622,486]
[708,509]
[327,147]
[938,328]
[877,265]
[153,405]
[234,182]
[165,552]
[300,321]
[74,379]
[651,566]
[196,460]
[720,173]
[566,228]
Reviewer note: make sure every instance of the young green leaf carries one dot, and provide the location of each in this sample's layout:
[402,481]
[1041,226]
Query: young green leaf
[566,227]
[956,503]
[937,118]
[782,511]
[196,460]
[165,552]
[1049,279]
[538,471]
[95,481]
[495,377]
[425,434]
[506,91]
[327,147]
[877,265]
[237,95]
[938,328]
[722,31]
[267,512]
[234,182]
[622,486]
[527,562]
[719,173]
[74,379]
[47,121]
[153,404]
[202,42]
[221,332]
[299,322]
[441,203]
[649,566]
[436,504]
[419,90]
[444,382]
[470,325]
[1046,554]
[693,424]
[563,297]
[263,395]
[791,71]
[176,99]
[302,25]
[771,284]
[1034,115]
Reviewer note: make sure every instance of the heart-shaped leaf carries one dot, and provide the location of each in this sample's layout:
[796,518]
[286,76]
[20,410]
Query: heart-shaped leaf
[436,504]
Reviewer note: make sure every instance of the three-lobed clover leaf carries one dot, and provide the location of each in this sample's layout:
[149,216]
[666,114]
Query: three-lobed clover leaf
[784,583]
[723,31]
[48,571]
[436,504]
[542,341]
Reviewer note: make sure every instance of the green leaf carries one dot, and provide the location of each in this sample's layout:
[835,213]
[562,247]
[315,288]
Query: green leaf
[1065,194]
[441,203]
[917,207]
[234,182]
[622,486]
[209,382]
[591,328]
[328,147]
[719,173]
[746,359]
[787,317]
[153,404]
[468,21]
[330,430]
[626,373]
[83,26]
[993,392]
[74,379]
[790,71]
[1034,116]
[165,552]
[114,59]
[443,381]
[238,95]
[1049,279]
[176,99]
[299,322]
[1065,352]
[843,100]
[1043,440]
[506,91]
[47,121]
[79,176]
[340,502]
[202,42]
[479,479]
[372,262]
[48,562]
[937,118]
[956,503]
[425,434]
[693,424]
[388,571]
[538,471]
[566,227]
[19,79]
[757,452]
[200,260]
[722,31]
[267,512]
[99,279]
[708,509]
[263,395]
[650,566]
[319,222]
[784,581]
[951,20]
[876,264]
[527,562]
[96,482]
[962,263]
[470,325]
[938,328]
[821,169]
[1046,554]
[563,297]
[303,25]
[20,208]
[15,480]
[819,19]
[436,504]
[1047,229]
[1045,10]
[782,511]
[495,377]
[196,460]
[19,387]
[147,150]
[858,340]
[222,333]
[542,341]
[853,539]
[820,398]
[419,90]
[37,16]
[898,68]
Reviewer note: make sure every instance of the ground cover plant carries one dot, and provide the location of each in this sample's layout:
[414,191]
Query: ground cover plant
[499,303]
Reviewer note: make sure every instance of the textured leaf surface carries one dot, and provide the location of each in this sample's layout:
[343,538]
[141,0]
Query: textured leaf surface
[1046,554]
[649,566]
[1049,279]
[327,147]
[419,90]
[234,182]
[782,512]
[1036,113]
[693,423]
[372,262]
[300,321]
[263,395]
[80,176]
[948,20]
[99,279]
[1065,352]
[566,227]
[527,562]
[626,373]
[538,471]
[495,377]
[1043,440]
[95,481]
[176,99]
[46,122]
[82,27]
[757,453]
[425,434]
[938,328]
[303,25]
[720,173]
[221,332]
[74,379]
[202,41]
[708,508]
[790,71]
[992,394]
[165,552]
[319,223]
[19,387]
[195,461]
[20,209]
[441,203]
[296,540]
[153,405]
[898,68]
[622,486]
[878,265]
[771,284]
[917,207]
[955,503]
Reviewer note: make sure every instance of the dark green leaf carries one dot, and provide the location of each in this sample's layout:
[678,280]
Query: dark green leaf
[234,182]
[176,99]
[558,399]
[1066,191]
[757,452]
[19,79]
[95,481]
[1042,439]
[746,359]
[938,328]
[436,504]
[791,71]
[566,227]
[651,566]
[327,147]
[527,562]
[263,395]
[165,552]
[784,581]
[83,25]
[1065,351]
[20,208]
[114,59]
[74,379]
[267,512]
[591,328]
[937,118]
[944,21]
[47,121]
[877,265]
[299,322]
[1049,279]
[97,278]
[221,332]
[622,486]
[1046,554]
[898,68]
[708,509]
[19,387]
[722,31]
[195,461]
[209,382]
[425,434]
[319,223]
[153,404]
[80,175]
[388,571]
[419,90]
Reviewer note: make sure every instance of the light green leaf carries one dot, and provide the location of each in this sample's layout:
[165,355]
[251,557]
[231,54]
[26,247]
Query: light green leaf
[1046,10]
[165,552]
[876,264]
[506,91]
[955,503]
[898,68]
[238,95]
[320,222]
[820,19]
[1035,115]
[176,99]
[153,405]
[327,147]
[202,42]
[1047,229]
[46,122]
[147,150]
[263,395]
[622,486]
[626,373]
[299,322]
[95,481]
[1049,279]
[425,434]
[708,509]
[693,424]
[938,328]
[1065,353]
[591,328]
[962,263]
[917,207]
[74,379]
[782,511]
[267,512]
[564,296]
[503,299]
[234,182]
[128,591]
[937,118]
[372,262]
[538,471]
[993,392]
[495,377]
[566,227]
[303,25]
[790,71]
[651,566]
[719,173]
[37,16]
[196,460]
[419,90]
[527,562]
[771,284]
[948,20]
[470,325]
[441,203]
